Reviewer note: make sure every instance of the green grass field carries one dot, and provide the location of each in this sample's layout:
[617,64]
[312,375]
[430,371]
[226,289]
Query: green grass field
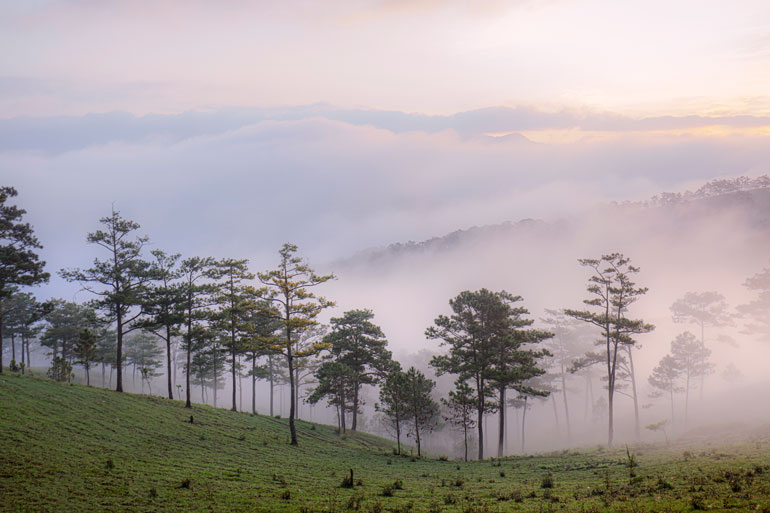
[72,448]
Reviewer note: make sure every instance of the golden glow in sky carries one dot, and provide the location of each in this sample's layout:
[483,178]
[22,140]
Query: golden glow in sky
[635,58]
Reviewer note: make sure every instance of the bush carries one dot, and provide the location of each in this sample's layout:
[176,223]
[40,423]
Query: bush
[286,495]
[60,370]
[547,481]
[435,507]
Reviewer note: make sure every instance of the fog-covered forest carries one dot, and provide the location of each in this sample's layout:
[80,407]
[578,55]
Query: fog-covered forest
[633,321]
[384,256]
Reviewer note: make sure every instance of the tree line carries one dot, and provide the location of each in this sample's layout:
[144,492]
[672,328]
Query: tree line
[226,320]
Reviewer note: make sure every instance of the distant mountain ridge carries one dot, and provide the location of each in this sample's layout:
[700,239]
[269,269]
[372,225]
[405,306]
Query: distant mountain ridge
[749,195]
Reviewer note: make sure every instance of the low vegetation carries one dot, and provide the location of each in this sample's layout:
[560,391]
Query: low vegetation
[67,447]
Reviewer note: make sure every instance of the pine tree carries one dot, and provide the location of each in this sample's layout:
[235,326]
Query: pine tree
[86,351]
[161,305]
[336,384]
[460,408]
[473,334]
[612,292]
[421,410]
[236,302]
[359,344]
[665,379]
[196,295]
[119,281]
[691,357]
[394,398]
[19,262]
[704,309]
[287,288]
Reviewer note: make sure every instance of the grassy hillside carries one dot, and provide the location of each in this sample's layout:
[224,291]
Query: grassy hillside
[73,448]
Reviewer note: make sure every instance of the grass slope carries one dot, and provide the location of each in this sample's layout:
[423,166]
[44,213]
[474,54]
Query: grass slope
[72,448]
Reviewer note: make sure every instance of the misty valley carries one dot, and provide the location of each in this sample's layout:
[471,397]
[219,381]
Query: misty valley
[613,360]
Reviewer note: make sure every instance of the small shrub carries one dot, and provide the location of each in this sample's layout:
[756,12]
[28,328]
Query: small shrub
[443,458]
[354,503]
[185,484]
[109,464]
[61,369]
[389,462]
[153,493]
[697,503]
[242,437]
[435,507]
[450,499]
[387,490]
[631,462]
[286,495]
[398,484]
[312,427]
[459,482]
[376,507]
[547,481]
[664,485]
[502,473]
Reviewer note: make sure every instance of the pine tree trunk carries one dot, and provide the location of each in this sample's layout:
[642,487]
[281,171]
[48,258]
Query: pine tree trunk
[235,384]
[566,406]
[23,362]
[254,384]
[633,389]
[13,347]
[523,425]
[501,425]
[216,381]
[465,440]
[119,361]
[480,415]
[168,357]
[671,394]
[355,408]
[686,398]
[292,406]
[555,412]
[188,369]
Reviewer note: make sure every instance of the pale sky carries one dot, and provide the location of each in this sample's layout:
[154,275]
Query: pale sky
[373,121]
[647,58]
